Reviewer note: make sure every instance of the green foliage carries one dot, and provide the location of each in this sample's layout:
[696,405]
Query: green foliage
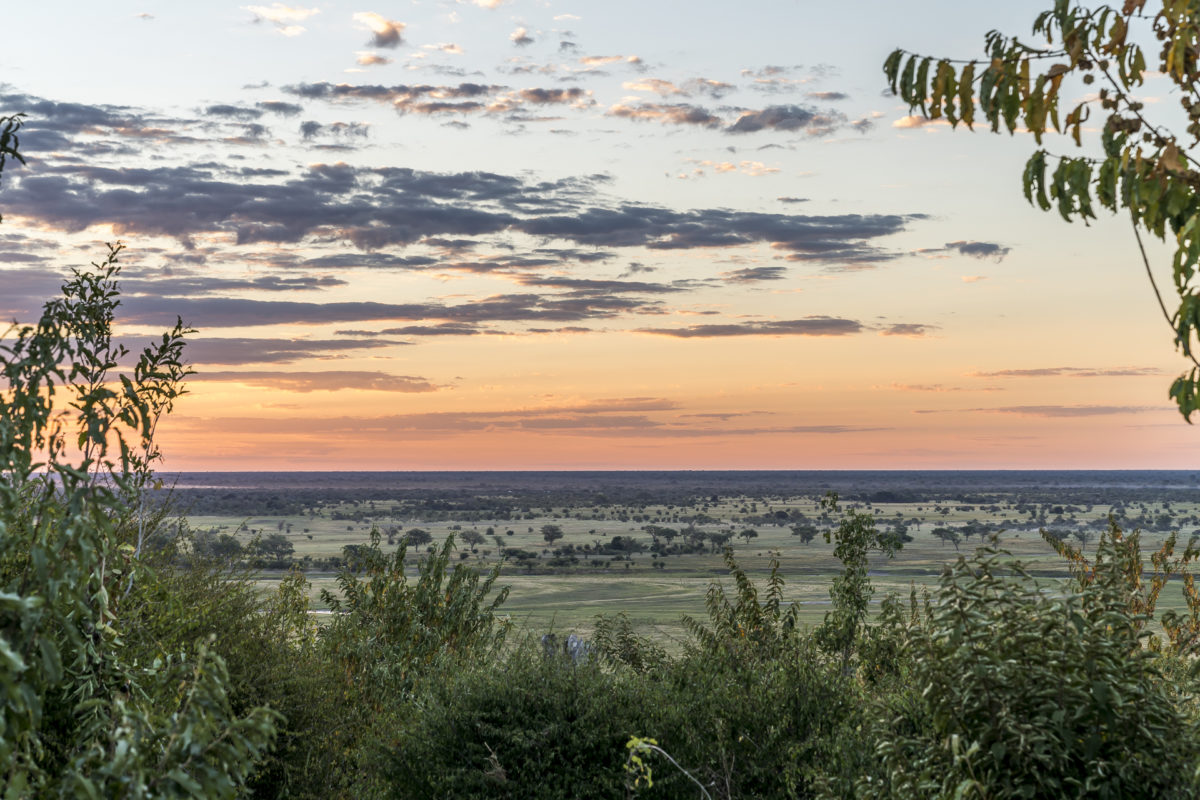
[82,712]
[527,726]
[745,628]
[1144,168]
[854,539]
[1016,691]
[75,700]
[10,143]
[385,631]
[386,635]
[614,640]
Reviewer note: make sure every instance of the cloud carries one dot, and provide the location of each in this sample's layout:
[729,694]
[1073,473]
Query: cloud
[445,47]
[615,417]
[924,387]
[754,169]
[385,33]
[755,274]
[311,129]
[694,86]
[807,326]
[831,239]
[368,59]
[442,329]
[521,38]
[280,107]
[591,286]
[912,329]
[244,350]
[827,96]
[1058,412]
[674,113]
[233,112]
[327,381]
[374,208]
[599,61]
[980,250]
[465,98]
[284,18]
[1069,372]
[203,284]
[789,118]
[912,121]
[792,199]
[221,312]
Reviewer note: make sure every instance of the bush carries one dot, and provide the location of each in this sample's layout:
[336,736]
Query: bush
[1019,691]
[527,727]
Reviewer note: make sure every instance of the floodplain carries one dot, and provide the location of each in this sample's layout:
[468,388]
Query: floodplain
[575,545]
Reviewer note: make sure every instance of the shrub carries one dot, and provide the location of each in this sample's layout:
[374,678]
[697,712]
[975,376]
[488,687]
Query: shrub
[526,727]
[1019,691]
[81,713]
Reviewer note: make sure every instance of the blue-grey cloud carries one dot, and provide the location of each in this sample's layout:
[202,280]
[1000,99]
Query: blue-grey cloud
[806,326]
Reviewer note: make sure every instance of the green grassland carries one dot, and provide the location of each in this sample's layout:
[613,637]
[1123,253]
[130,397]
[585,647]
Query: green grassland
[655,591]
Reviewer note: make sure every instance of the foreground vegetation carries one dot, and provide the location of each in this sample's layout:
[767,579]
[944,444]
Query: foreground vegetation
[139,659]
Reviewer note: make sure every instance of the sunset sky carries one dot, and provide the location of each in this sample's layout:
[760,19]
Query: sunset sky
[573,234]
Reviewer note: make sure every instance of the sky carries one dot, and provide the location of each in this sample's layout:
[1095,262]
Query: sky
[570,234]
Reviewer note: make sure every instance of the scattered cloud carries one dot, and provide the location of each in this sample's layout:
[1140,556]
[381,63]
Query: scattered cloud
[385,33]
[1069,372]
[327,381]
[912,329]
[520,37]
[285,19]
[246,350]
[280,107]
[370,59]
[752,168]
[444,47]
[234,112]
[311,129]
[674,113]
[789,118]
[913,121]
[755,274]
[695,86]
[373,208]
[1056,412]
[979,250]
[807,326]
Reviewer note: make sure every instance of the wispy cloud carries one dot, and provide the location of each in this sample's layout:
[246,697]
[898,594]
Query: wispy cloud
[977,250]
[327,381]
[912,329]
[1069,372]
[285,18]
[807,326]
